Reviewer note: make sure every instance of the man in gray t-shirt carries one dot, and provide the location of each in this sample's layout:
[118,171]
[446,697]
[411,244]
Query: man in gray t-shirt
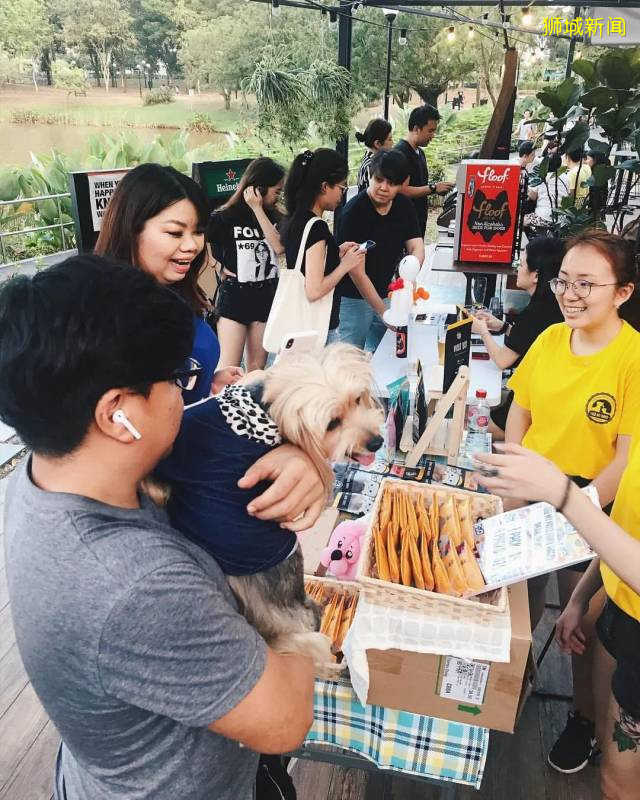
[128,632]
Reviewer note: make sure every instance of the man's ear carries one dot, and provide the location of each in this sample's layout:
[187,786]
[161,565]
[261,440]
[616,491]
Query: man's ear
[107,405]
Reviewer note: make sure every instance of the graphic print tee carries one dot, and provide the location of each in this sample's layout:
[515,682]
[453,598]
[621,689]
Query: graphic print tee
[238,243]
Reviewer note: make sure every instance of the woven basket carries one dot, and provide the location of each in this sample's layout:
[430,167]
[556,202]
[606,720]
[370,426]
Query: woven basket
[407,597]
[332,671]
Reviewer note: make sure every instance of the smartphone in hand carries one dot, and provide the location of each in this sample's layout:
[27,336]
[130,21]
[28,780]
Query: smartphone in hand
[365,246]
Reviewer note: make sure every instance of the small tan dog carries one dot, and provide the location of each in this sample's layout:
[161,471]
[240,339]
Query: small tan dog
[322,404]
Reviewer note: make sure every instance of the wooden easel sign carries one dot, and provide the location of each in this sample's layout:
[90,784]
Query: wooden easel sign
[455,397]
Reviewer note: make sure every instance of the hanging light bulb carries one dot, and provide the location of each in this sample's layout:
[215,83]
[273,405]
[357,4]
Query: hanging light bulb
[451,33]
[527,16]
[402,39]
[275,7]
[471,33]
[333,20]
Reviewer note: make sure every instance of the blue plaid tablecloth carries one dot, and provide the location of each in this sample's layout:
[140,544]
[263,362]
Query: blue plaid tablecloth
[398,740]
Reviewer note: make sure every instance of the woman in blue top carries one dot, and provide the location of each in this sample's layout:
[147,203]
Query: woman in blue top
[156,221]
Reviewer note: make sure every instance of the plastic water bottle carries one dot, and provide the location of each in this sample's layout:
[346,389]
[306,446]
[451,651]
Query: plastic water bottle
[478,415]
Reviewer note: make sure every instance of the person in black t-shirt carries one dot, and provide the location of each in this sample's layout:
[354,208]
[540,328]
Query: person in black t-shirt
[244,239]
[388,218]
[315,184]
[539,263]
[423,123]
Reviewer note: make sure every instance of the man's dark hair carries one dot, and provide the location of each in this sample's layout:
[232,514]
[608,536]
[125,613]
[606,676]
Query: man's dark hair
[421,115]
[389,164]
[526,148]
[76,330]
[576,155]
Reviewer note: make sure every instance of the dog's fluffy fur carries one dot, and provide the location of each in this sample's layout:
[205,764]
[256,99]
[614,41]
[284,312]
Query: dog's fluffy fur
[325,406]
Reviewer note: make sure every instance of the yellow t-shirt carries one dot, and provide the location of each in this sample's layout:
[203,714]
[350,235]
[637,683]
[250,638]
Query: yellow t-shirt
[579,405]
[626,513]
[579,174]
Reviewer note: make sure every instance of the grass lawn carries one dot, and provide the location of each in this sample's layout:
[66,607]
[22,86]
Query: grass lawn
[100,108]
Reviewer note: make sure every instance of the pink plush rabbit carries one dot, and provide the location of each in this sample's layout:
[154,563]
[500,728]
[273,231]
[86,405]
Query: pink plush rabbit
[342,554]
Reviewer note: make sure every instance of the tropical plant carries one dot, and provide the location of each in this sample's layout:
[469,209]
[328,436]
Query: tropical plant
[71,79]
[155,97]
[607,99]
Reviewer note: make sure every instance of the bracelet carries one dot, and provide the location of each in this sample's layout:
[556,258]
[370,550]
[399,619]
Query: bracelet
[565,496]
[503,329]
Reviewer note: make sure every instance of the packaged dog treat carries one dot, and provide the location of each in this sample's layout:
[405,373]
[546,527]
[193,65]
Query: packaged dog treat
[425,539]
[339,604]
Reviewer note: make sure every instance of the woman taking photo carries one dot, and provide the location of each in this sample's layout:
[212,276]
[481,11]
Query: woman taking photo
[244,239]
[576,401]
[519,473]
[539,264]
[377,136]
[315,184]
[155,221]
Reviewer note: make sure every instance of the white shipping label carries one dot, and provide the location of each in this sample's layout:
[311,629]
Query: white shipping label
[463,680]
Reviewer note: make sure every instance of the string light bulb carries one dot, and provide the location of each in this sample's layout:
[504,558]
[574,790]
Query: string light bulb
[471,33]
[527,16]
[333,20]
[402,39]
[275,7]
[451,33]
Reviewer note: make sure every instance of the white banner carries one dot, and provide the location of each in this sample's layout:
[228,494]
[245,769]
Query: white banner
[612,25]
[101,186]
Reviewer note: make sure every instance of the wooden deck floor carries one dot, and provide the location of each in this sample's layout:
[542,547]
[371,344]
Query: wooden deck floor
[516,765]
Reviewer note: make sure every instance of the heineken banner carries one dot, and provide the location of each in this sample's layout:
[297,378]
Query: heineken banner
[219,179]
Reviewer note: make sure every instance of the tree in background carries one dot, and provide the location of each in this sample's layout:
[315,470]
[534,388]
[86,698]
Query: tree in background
[25,31]
[157,26]
[101,28]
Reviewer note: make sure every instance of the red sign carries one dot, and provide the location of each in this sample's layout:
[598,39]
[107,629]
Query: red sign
[489,212]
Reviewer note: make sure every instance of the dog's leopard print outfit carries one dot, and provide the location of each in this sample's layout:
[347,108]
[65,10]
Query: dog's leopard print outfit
[246,418]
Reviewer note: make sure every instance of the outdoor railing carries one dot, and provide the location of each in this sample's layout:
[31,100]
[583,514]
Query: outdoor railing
[35,228]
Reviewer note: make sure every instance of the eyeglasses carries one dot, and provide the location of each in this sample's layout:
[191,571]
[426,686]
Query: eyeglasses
[581,289]
[343,187]
[186,376]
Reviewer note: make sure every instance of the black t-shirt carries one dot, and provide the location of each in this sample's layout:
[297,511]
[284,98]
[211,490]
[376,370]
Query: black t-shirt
[319,233]
[238,243]
[360,221]
[530,323]
[418,176]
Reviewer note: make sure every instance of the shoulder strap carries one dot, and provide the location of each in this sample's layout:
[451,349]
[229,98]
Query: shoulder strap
[303,241]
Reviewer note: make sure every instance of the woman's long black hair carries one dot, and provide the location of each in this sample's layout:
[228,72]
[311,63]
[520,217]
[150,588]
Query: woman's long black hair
[308,172]
[263,173]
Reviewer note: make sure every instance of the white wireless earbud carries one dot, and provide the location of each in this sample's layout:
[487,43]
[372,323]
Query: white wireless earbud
[121,418]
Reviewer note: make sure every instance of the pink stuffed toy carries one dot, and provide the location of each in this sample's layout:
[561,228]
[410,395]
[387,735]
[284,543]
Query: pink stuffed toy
[342,554]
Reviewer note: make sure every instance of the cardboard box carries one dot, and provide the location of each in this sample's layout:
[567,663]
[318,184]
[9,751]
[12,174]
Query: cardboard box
[490,694]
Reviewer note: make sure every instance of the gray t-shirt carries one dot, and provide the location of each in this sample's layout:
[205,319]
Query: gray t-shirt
[133,643]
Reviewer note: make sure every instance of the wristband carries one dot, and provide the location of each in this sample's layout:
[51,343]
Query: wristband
[503,329]
[565,496]
[432,188]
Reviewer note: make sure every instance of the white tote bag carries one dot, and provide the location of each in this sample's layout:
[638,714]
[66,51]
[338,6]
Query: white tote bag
[291,311]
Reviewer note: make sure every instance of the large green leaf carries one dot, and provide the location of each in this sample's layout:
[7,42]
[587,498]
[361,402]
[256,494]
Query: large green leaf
[598,146]
[9,188]
[601,175]
[586,70]
[576,137]
[632,164]
[615,70]
[600,98]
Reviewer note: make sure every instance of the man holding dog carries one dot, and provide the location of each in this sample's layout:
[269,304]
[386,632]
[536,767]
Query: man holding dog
[128,631]
[383,215]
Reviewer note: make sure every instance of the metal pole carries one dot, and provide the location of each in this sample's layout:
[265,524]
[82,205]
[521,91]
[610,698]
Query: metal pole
[572,46]
[345,25]
[388,82]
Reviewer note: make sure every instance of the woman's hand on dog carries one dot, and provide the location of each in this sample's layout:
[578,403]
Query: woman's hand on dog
[296,496]
[224,377]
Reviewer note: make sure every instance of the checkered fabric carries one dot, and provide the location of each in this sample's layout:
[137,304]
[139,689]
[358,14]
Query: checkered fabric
[398,740]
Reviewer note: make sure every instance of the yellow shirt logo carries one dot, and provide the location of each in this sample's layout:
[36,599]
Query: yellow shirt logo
[601,408]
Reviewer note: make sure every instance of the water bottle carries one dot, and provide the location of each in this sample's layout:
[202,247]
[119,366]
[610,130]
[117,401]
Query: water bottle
[478,415]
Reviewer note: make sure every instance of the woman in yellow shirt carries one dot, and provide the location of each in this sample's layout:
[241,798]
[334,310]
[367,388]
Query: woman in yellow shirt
[616,678]
[576,398]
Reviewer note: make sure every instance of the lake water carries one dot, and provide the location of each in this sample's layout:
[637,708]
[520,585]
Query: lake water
[18,141]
